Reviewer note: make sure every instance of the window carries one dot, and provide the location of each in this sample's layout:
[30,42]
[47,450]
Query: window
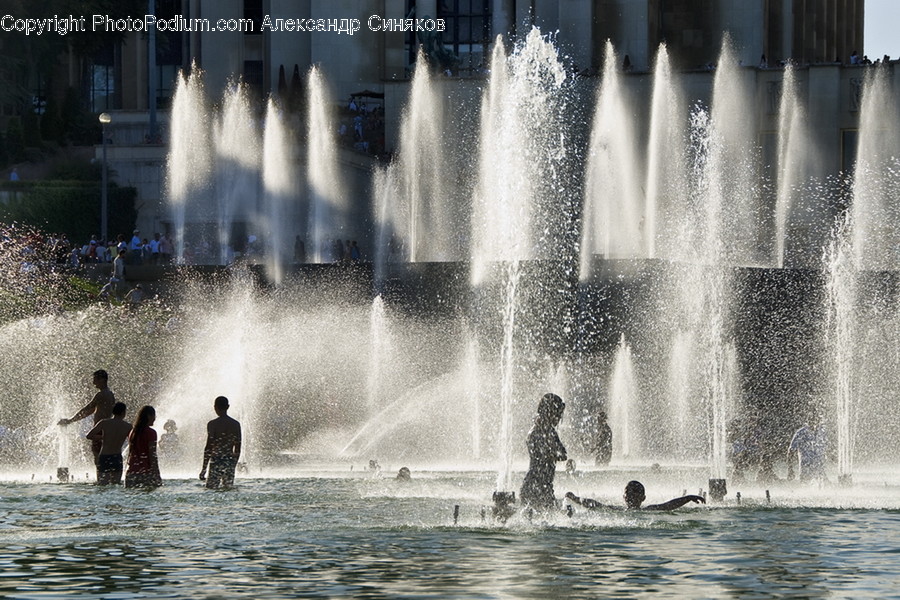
[103,82]
[169,53]
[468,32]
[253,10]
[462,48]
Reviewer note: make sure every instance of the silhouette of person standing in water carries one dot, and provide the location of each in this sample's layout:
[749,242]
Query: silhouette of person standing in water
[544,451]
[808,448]
[602,448]
[101,406]
[112,434]
[169,445]
[223,447]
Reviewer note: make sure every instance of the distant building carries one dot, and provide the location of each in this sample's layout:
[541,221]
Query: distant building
[818,34]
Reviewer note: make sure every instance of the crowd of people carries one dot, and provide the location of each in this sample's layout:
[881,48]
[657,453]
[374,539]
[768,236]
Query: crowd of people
[37,254]
[157,250]
[112,433]
[58,249]
[361,126]
[331,250]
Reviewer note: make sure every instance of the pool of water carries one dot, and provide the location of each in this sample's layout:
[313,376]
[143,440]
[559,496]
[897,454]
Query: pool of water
[334,535]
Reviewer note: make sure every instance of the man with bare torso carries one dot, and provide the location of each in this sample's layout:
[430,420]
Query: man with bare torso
[112,434]
[101,406]
[223,447]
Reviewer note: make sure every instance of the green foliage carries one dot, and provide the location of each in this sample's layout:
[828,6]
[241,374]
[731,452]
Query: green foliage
[77,170]
[31,130]
[15,140]
[31,57]
[87,43]
[71,207]
[51,124]
[80,127]
[85,286]
[4,156]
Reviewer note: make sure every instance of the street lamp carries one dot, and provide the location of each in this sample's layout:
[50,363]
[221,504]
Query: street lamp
[105,120]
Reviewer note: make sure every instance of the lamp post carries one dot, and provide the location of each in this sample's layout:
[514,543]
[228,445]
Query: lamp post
[105,119]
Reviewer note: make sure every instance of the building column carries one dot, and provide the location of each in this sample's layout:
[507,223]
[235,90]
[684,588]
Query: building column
[576,32]
[821,20]
[831,29]
[394,46]
[787,31]
[503,19]
[823,97]
[859,9]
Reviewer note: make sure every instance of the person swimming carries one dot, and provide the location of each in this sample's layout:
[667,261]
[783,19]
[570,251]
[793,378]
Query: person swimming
[634,498]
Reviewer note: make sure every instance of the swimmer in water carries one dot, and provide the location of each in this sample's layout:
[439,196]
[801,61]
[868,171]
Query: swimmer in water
[634,498]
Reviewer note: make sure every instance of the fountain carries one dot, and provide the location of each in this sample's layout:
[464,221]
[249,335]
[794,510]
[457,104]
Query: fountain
[858,268]
[189,163]
[328,201]
[614,216]
[793,152]
[841,300]
[420,204]
[875,223]
[671,307]
[237,167]
[622,282]
[279,191]
[380,356]
[517,218]
[624,407]
[733,227]
[681,389]
[666,170]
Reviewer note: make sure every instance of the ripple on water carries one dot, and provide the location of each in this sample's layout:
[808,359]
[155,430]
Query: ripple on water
[331,538]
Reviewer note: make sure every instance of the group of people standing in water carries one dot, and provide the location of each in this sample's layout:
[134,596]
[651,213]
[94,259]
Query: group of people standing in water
[545,450]
[111,432]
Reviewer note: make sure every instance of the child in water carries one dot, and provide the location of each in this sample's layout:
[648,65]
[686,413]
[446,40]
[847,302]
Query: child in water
[544,451]
[634,497]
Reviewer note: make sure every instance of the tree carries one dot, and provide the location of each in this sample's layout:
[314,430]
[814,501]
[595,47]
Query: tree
[51,124]
[15,140]
[4,157]
[30,60]
[70,207]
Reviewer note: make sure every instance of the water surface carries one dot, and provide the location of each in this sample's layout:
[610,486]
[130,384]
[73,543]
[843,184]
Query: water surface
[372,537]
